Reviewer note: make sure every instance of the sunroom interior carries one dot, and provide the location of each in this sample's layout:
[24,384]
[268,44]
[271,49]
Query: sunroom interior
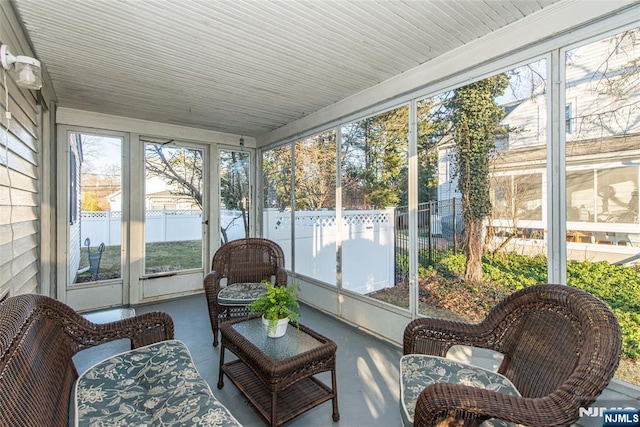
[164,129]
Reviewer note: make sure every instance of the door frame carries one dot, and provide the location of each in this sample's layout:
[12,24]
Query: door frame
[104,293]
[253,199]
[164,285]
[128,290]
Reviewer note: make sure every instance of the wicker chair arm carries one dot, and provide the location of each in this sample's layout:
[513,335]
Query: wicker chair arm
[446,404]
[212,287]
[212,281]
[142,330]
[435,336]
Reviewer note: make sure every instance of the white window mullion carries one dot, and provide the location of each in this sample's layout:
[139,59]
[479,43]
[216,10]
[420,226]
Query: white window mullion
[339,222]
[556,171]
[413,208]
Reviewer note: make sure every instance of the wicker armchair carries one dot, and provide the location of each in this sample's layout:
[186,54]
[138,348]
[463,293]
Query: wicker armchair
[244,263]
[561,347]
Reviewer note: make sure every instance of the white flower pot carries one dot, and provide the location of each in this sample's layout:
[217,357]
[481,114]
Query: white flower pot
[279,330]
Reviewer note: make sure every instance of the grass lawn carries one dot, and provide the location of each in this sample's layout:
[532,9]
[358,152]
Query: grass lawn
[161,256]
[173,256]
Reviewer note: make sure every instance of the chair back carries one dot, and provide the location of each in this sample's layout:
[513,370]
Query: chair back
[249,260]
[557,339]
[36,366]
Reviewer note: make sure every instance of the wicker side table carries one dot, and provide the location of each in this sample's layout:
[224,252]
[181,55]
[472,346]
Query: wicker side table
[276,375]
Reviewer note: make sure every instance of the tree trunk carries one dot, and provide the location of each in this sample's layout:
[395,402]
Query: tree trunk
[504,243]
[245,222]
[473,250]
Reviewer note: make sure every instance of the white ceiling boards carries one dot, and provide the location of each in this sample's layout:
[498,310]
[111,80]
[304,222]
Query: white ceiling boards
[244,67]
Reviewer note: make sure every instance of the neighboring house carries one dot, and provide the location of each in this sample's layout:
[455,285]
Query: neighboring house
[602,151]
[158,196]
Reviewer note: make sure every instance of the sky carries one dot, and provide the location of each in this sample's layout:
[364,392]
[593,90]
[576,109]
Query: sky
[101,155]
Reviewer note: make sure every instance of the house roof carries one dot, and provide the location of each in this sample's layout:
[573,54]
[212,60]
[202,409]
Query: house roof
[618,148]
[244,67]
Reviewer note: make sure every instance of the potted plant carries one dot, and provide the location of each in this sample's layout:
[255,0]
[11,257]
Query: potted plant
[277,307]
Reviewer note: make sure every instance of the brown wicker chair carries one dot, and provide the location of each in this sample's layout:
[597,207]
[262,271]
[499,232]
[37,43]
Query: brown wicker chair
[38,337]
[561,347]
[244,262]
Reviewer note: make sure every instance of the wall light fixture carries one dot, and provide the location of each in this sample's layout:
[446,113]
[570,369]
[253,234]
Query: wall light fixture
[27,71]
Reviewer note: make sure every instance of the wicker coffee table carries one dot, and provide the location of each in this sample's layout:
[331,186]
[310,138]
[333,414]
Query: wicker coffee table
[276,375]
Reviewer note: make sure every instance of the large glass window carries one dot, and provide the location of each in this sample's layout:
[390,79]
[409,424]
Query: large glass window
[602,194]
[481,184]
[374,161]
[276,209]
[603,232]
[516,199]
[235,194]
[315,207]
[173,200]
[580,195]
[617,195]
[95,220]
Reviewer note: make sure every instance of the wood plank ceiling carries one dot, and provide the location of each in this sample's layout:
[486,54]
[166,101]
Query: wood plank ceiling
[243,67]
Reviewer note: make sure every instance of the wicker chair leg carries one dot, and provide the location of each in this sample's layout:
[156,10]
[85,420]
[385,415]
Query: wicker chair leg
[215,326]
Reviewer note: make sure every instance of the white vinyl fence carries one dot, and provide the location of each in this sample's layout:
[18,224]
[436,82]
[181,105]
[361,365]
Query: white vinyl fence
[367,242]
[160,226]
[367,239]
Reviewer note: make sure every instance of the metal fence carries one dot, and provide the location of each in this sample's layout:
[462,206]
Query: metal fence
[440,229]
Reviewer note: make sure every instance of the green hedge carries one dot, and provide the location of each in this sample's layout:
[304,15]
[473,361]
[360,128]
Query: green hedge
[617,285]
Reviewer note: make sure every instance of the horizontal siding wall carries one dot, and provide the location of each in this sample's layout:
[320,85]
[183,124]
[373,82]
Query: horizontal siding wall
[19,171]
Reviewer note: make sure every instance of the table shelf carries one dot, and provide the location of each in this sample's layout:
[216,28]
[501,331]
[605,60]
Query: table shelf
[291,402]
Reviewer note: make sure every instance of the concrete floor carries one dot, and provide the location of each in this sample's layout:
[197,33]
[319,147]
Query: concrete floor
[367,370]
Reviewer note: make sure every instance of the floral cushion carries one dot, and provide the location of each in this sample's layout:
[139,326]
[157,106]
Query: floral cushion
[153,385]
[241,293]
[418,371]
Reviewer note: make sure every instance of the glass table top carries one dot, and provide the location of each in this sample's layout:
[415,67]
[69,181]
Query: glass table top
[110,315]
[293,343]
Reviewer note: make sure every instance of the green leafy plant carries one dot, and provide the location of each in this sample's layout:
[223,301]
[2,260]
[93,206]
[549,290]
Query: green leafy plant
[616,285]
[278,303]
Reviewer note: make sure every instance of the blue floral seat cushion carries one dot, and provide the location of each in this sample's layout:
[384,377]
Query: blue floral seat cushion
[418,371]
[241,294]
[153,385]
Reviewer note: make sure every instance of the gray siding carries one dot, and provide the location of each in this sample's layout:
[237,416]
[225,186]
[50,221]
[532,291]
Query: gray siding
[19,171]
